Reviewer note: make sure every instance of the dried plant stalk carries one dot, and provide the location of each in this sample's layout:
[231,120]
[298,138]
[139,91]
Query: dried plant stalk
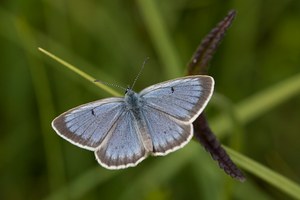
[199,65]
[208,46]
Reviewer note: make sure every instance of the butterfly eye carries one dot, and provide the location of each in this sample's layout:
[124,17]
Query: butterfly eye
[126,91]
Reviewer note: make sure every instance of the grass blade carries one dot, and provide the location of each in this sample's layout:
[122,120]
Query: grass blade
[80,73]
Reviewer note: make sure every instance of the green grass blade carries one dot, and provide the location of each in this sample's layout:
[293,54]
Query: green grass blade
[282,183]
[258,104]
[161,38]
[55,164]
[84,183]
[80,73]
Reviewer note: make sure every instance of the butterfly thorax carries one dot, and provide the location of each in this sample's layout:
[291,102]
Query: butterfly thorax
[134,104]
[133,100]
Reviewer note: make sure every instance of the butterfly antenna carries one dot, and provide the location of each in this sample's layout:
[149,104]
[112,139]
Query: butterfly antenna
[110,84]
[136,78]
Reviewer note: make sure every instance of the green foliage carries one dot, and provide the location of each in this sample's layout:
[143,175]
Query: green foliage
[255,109]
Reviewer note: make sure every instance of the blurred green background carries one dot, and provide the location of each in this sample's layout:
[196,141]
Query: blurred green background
[255,109]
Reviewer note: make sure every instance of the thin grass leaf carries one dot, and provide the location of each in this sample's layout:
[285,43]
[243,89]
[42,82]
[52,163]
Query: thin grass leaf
[83,184]
[282,183]
[80,73]
[258,104]
[160,38]
[55,164]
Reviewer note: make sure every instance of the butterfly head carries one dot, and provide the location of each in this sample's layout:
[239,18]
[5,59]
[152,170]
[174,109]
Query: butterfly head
[132,99]
[129,92]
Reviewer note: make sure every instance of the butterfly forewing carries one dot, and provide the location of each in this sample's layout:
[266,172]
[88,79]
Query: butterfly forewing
[87,125]
[182,98]
[123,146]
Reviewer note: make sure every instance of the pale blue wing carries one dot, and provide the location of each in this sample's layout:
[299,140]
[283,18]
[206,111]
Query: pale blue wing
[123,146]
[87,125]
[167,133]
[183,98]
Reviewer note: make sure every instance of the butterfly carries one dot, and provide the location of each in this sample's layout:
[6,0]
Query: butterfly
[124,131]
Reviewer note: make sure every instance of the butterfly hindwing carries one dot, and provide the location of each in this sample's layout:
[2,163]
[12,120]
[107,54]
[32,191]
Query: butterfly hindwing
[123,146]
[167,133]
